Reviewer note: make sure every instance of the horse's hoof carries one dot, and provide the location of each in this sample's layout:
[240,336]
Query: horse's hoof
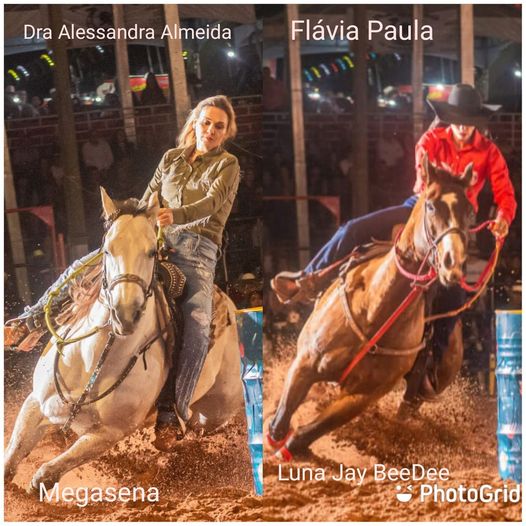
[408,410]
[284,454]
[278,444]
[9,475]
[35,488]
[167,437]
[32,491]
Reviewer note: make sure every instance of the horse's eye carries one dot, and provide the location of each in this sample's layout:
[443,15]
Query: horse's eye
[430,206]
[152,253]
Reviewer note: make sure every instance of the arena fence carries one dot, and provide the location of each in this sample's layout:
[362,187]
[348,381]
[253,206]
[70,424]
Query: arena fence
[335,129]
[152,123]
[53,241]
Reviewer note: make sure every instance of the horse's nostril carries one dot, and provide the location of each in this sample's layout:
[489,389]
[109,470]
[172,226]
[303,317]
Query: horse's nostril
[448,262]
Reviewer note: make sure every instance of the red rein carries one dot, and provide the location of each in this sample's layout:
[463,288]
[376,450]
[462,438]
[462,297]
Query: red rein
[420,282]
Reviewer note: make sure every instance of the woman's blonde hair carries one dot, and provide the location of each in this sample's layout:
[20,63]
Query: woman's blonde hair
[187,136]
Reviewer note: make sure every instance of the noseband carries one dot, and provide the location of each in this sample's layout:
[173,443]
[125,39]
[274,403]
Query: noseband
[433,243]
[431,256]
[147,290]
[107,287]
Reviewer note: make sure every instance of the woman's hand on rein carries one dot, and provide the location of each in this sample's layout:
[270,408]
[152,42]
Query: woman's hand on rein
[500,227]
[165,217]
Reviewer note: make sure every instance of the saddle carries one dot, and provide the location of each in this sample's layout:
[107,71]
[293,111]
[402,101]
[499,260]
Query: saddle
[307,287]
[172,279]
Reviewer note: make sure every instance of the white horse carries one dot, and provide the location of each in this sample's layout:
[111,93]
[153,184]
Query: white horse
[126,307]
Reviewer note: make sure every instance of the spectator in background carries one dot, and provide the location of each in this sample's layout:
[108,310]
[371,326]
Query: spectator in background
[52,104]
[152,93]
[53,175]
[111,106]
[26,109]
[38,103]
[106,88]
[249,193]
[11,109]
[97,158]
[274,96]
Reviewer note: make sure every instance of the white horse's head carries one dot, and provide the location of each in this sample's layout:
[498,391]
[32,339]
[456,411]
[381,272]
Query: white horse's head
[130,249]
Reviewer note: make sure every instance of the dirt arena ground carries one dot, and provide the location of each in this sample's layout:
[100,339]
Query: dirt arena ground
[457,433]
[210,479]
[204,481]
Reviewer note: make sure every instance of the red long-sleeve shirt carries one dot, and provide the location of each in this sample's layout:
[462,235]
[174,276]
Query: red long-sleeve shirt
[488,164]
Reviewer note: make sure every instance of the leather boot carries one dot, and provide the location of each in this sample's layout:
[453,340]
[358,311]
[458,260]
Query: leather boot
[169,431]
[14,334]
[299,287]
[25,332]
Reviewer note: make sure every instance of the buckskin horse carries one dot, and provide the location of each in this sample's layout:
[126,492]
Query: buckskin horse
[102,378]
[337,343]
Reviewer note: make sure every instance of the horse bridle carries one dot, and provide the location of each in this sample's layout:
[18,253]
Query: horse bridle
[434,242]
[147,289]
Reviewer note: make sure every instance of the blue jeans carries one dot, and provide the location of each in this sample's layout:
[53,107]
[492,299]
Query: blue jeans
[359,231]
[196,256]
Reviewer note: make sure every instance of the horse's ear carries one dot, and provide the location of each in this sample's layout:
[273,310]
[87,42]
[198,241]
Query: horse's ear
[467,176]
[153,206]
[428,170]
[107,204]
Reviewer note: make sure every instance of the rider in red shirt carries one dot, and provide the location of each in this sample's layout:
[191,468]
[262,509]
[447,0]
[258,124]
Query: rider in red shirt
[443,149]
[453,148]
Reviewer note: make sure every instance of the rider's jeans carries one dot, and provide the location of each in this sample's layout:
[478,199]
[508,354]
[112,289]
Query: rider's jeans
[38,308]
[360,231]
[196,256]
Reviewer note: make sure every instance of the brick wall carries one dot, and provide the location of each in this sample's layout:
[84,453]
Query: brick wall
[249,121]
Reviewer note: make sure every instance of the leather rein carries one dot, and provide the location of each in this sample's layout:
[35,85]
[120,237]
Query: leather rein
[420,282]
[107,287]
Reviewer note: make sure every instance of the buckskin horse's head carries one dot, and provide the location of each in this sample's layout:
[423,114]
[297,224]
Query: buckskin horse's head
[446,218]
[130,249]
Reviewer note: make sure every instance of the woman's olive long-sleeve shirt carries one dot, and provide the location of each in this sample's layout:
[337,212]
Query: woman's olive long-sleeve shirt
[200,195]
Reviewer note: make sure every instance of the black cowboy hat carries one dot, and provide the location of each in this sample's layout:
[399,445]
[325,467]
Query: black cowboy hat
[463,106]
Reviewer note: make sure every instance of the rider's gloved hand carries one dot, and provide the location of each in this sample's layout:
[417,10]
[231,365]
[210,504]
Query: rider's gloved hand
[500,227]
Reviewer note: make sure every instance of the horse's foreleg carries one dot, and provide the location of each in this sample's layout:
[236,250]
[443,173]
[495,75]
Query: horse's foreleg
[299,380]
[338,413]
[87,447]
[29,427]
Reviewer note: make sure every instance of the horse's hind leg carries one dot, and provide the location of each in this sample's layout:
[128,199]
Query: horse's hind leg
[338,413]
[86,448]
[299,380]
[29,427]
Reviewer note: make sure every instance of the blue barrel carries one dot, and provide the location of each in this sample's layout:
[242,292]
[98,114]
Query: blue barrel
[509,394]
[250,329]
